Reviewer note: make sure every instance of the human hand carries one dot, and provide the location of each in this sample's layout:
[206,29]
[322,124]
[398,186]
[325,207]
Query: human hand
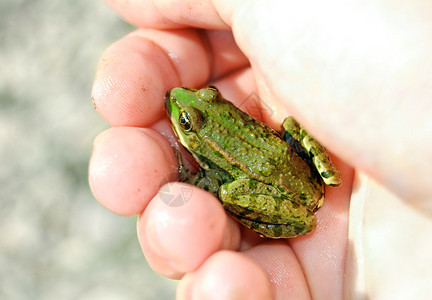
[321,89]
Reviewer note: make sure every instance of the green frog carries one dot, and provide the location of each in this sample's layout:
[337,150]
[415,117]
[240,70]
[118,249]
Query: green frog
[271,182]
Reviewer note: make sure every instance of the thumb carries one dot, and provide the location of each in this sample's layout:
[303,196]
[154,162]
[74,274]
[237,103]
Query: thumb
[354,74]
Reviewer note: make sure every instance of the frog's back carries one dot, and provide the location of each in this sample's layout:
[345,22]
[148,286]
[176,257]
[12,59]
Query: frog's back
[250,149]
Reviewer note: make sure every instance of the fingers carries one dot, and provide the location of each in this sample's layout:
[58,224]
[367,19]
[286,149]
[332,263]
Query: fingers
[267,271]
[127,167]
[322,254]
[185,239]
[182,226]
[283,269]
[226,275]
[135,72]
[169,13]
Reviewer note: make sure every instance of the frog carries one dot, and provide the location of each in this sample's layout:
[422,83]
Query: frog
[270,181]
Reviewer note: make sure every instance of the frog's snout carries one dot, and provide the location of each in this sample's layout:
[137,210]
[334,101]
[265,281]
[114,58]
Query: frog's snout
[167,95]
[168,101]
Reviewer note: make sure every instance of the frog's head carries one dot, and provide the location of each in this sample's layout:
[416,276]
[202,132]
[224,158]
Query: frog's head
[188,109]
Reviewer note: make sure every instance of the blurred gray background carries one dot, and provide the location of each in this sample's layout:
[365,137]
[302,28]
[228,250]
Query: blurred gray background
[56,241]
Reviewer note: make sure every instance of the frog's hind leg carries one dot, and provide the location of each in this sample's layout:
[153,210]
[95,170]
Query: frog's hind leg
[264,209]
[274,231]
[308,148]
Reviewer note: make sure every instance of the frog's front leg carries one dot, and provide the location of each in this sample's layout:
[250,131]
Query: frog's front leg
[264,209]
[294,134]
[206,180]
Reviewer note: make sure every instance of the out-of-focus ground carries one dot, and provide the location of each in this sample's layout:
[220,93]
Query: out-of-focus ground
[56,241]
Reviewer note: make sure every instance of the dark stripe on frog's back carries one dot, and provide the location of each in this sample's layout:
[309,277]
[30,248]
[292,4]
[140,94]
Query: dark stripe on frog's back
[245,139]
[224,175]
[235,150]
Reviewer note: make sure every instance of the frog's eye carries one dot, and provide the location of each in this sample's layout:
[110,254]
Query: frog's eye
[185,121]
[190,119]
[210,93]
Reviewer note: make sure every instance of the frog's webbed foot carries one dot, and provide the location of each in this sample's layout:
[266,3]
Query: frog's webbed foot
[264,209]
[308,148]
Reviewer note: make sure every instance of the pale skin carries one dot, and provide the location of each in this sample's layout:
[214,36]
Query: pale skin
[362,88]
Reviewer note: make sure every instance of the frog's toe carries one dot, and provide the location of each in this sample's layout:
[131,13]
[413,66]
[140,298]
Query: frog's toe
[331,178]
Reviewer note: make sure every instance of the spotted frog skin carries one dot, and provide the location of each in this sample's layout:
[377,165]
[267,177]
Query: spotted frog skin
[270,182]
